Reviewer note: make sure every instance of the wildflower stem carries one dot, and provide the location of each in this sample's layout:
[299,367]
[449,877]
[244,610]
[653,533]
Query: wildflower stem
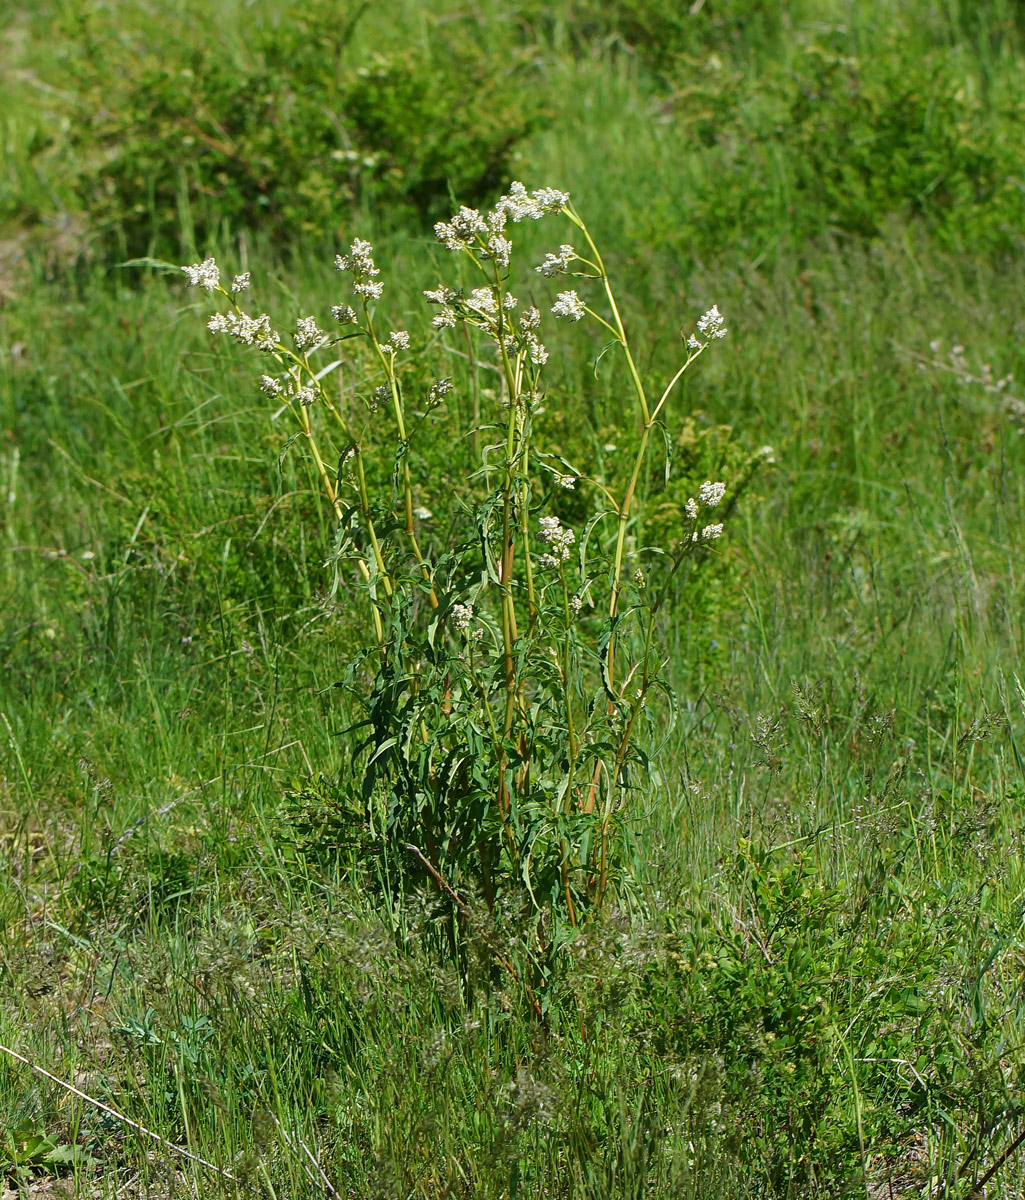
[618,328]
[387,361]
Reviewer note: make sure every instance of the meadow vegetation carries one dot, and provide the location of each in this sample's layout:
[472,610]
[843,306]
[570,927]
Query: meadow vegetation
[680,869]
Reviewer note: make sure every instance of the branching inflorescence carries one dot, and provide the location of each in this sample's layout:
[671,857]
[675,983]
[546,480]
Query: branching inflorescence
[513,663]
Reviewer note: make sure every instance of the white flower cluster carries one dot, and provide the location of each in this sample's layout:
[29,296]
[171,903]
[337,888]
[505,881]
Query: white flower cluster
[360,262]
[568,304]
[462,616]
[709,495]
[482,308]
[556,263]
[289,388]
[307,334]
[484,300]
[204,274]
[445,297]
[344,314]
[240,283]
[712,324]
[246,330]
[558,539]
[469,229]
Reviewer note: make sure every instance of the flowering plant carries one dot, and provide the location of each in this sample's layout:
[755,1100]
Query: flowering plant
[512,665]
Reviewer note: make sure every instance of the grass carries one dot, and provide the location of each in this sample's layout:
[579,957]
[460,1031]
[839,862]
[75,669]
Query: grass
[820,992]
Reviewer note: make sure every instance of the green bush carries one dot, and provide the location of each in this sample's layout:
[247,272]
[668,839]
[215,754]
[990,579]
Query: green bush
[291,136]
[884,135]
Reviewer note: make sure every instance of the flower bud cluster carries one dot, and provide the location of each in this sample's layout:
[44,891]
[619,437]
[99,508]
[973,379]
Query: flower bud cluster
[439,389]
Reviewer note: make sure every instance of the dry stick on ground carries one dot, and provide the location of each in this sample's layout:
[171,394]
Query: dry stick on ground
[976,1192]
[323,1181]
[112,1112]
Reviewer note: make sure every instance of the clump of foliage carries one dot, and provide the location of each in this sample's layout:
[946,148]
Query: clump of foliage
[294,131]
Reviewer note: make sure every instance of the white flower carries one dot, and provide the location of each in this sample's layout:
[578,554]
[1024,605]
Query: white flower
[483,300]
[441,295]
[499,248]
[344,314]
[558,539]
[550,200]
[711,493]
[240,282]
[711,532]
[555,263]
[538,354]
[370,291]
[307,334]
[446,319]
[711,324]
[609,448]
[422,514]
[270,385]
[246,330]
[531,319]
[693,343]
[462,616]
[265,337]
[359,260]
[204,274]
[767,453]
[399,339]
[509,301]
[305,395]
[519,205]
[382,394]
[568,304]
[691,509]
[565,481]
[576,604]
[459,233]
[639,578]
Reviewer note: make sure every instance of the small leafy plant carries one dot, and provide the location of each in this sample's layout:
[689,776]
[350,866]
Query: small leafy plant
[511,684]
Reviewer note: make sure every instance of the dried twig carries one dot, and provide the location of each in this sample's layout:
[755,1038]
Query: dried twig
[112,1112]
